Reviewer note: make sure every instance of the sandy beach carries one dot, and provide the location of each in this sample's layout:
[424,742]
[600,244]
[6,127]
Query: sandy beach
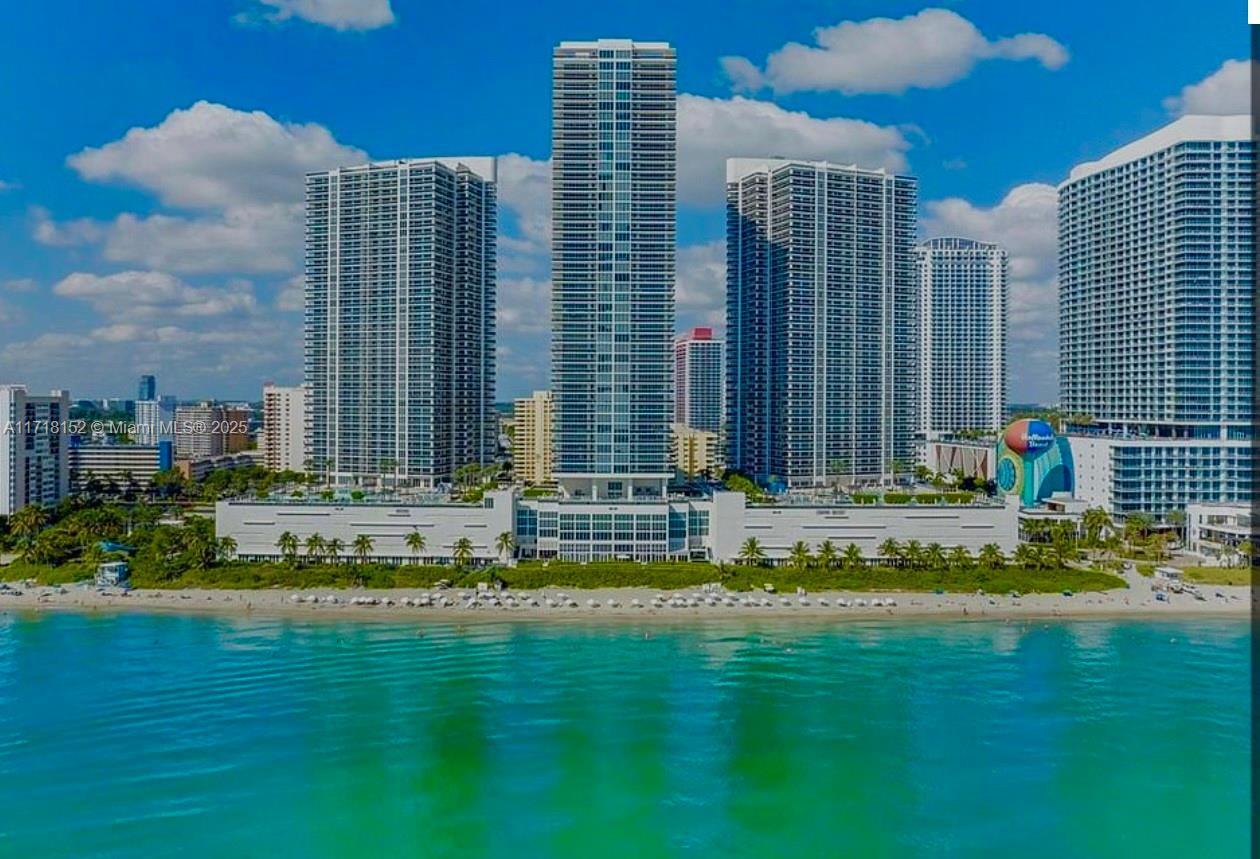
[464,605]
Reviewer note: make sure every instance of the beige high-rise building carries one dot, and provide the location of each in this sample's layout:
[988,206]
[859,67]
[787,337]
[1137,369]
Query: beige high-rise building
[209,429]
[284,428]
[532,454]
[34,466]
[696,451]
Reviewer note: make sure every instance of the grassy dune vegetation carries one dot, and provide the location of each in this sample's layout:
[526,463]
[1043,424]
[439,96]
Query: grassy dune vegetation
[612,574]
[167,547]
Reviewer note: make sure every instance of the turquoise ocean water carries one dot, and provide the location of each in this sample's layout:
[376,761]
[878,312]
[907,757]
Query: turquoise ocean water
[152,735]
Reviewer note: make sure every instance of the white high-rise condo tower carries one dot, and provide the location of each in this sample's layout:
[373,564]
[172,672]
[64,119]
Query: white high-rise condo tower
[400,333]
[613,203]
[963,288]
[284,427]
[821,318]
[1156,332]
[34,448]
[699,373]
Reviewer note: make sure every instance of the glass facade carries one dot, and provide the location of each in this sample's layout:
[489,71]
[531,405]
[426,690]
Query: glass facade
[613,214]
[699,386]
[1156,267]
[822,320]
[589,532]
[1156,328]
[963,295]
[400,336]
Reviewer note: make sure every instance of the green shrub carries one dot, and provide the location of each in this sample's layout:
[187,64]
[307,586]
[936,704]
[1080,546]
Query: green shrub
[896,498]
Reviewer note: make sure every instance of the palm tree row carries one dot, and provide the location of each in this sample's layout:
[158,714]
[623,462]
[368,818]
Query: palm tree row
[911,554]
[318,549]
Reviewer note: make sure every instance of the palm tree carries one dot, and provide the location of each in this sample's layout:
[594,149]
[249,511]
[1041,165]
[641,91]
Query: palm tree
[913,553]
[202,548]
[226,548]
[362,547]
[799,555]
[826,555]
[1027,556]
[288,545]
[751,552]
[991,557]
[27,522]
[959,558]
[505,543]
[934,556]
[314,546]
[1063,542]
[853,557]
[1096,523]
[1245,551]
[1136,527]
[462,552]
[416,543]
[1177,519]
[890,549]
[333,547]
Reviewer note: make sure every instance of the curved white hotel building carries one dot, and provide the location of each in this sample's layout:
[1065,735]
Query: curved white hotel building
[963,297]
[400,335]
[1156,329]
[613,208]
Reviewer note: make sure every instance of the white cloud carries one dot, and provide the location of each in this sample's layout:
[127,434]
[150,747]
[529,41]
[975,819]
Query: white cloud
[21,284]
[243,238]
[156,296]
[1025,222]
[241,172]
[9,314]
[338,14]
[710,130]
[80,231]
[291,296]
[1226,91]
[209,156]
[525,190]
[523,305]
[191,361]
[8,186]
[929,50]
[204,340]
[701,285]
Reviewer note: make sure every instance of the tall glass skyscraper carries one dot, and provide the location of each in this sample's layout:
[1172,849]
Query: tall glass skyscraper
[400,334]
[963,290]
[822,319]
[613,208]
[699,373]
[1156,333]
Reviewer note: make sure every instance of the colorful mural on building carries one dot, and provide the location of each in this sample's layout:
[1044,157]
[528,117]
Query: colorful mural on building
[1032,462]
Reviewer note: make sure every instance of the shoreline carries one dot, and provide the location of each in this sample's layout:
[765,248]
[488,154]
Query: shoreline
[628,604]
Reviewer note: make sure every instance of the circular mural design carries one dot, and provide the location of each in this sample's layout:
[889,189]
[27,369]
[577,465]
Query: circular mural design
[1008,473]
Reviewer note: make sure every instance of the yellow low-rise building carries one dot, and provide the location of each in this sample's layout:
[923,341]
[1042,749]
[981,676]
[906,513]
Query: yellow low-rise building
[696,451]
[532,453]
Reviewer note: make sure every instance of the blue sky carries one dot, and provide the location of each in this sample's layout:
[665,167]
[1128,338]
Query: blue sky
[150,173]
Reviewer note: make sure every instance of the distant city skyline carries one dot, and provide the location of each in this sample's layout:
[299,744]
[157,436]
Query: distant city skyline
[126,234]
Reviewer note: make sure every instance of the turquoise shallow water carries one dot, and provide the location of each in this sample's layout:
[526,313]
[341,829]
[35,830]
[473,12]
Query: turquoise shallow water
[138,735]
